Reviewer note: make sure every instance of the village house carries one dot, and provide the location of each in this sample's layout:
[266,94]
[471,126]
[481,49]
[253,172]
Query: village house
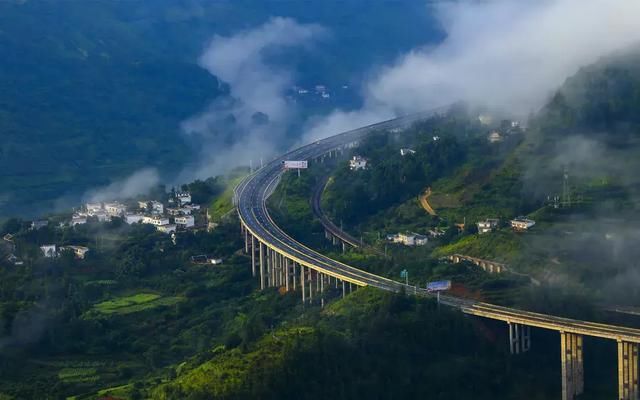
[14,260]
[157,207]
[92,208]
[522,223]
[115,209]
[436,232]
[133,218]
[49,250]
[495,137]
[35,225]
[357,163]
[409,239]
[488,225]
[183,198]
[167,228]
[78,219]
[186,210]
[404,152]
[204,259]
[79,251]
[185,221]
[156,220]
[102,216]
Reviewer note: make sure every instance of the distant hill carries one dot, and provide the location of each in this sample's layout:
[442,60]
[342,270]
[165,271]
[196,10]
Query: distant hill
[92,91]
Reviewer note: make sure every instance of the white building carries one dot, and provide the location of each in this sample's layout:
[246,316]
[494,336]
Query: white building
[185,221]
[35,225]
[436,232]
[133,218]
[409,239]
[101,215]
[93,208]
[495,137]
[488,225]
[404,152]
[522,223]
[357,163]
[167,228]
[143,205]
[157,207]
[183,198]
[78,219]
[155,220]
[115,209]
[49,250]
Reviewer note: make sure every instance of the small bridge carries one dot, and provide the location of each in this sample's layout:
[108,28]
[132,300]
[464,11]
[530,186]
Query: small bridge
[491,267]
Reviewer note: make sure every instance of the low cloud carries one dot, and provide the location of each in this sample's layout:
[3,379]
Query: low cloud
[138,183]
[252,123]
[506,54]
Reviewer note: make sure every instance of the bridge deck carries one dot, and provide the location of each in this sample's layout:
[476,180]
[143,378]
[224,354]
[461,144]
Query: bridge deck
[254,190]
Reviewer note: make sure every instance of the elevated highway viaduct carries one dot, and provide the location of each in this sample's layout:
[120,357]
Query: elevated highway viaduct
[280,261]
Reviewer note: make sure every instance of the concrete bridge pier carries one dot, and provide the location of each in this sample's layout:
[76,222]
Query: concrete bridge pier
[310,286]
[303,284]
[286,273]
[322,277]
[253,256]
[572,365]
[343,290]
[295,275]
[519,338]
[262,280]
[627,370]
[246,241]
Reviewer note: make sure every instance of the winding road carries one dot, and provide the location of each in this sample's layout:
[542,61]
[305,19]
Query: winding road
[250,199]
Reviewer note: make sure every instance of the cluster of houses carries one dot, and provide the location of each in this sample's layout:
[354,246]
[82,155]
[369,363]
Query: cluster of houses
[415,239]
[519,224]
[53,251]
[357,163]
[319,90]
[507,128]
[177,215]
[408,239]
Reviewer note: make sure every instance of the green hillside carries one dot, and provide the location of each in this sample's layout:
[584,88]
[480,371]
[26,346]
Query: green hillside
[92,91]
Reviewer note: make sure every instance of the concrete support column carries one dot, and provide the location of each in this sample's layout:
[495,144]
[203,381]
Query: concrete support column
[246,241]
[343,290]
[344,247]
[572,365]
[627,371]
[519,338]
[295,276]
[262,266]
[286,273]
[302,284]
[310,286]
[253,255]
[276,275]
[322,290]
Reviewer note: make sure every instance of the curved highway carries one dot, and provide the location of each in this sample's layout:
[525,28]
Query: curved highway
[251,196]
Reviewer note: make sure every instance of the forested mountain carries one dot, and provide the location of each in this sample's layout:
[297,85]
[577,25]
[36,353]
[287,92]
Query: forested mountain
[92,91]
